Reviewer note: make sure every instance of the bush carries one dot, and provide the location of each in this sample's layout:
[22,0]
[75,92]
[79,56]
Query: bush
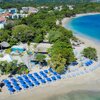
[60,69]
[1,55]
[90,53]
[8,51]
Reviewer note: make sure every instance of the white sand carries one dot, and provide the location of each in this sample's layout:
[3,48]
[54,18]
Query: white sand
[90,81]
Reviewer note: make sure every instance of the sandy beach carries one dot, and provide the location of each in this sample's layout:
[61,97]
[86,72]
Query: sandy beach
[90,81]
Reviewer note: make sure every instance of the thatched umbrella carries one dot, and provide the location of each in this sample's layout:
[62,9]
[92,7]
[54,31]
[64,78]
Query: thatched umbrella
[4,44]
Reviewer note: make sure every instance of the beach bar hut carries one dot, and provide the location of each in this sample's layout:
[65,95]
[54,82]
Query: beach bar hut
[4,45]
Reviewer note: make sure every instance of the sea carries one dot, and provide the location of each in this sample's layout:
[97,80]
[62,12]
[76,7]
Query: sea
[78,95]
[88,25]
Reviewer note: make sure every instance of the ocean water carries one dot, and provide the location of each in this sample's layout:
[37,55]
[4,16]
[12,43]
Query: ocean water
[78,95]
[86,25]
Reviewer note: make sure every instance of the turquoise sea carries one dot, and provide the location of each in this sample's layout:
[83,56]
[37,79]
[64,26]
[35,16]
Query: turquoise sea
[86,25]
[78,95]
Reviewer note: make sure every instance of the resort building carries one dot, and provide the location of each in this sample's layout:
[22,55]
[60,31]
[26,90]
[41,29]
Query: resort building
[12,10]
[2,22]
[18,16]
[70,7]
[2,11]
[29,10]
[42,48]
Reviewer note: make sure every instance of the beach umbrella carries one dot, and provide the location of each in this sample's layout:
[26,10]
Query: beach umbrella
[4,44]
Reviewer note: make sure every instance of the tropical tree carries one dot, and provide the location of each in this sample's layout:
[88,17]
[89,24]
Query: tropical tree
[90,53]
[21,32]
[61,54]
[40,57]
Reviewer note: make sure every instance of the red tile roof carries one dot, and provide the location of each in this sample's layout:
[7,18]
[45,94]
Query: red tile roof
[2,19]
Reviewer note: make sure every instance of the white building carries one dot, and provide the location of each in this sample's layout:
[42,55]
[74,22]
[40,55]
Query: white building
[12,10]
[17,16]
[29,10]
[2,22]
[70,7]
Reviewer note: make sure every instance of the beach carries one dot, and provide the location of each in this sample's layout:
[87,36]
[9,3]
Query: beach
[88,82]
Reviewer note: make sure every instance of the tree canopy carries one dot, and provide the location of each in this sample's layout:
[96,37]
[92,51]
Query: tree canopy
[90,53]
[61,54]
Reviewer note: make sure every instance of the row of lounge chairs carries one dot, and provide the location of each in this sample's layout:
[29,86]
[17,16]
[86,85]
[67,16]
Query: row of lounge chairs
[81,72]
[88,63]
[31,80]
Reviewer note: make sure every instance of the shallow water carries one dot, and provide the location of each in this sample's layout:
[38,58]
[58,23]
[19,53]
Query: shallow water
[78,95]
[87,25]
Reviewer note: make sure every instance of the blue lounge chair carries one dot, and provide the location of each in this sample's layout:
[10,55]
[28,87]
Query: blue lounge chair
[55,73]
[53,78]
[36,83]
[18,88]
[58,76]
[43,81]
[33,79]
[36,74]
[25,77]
[46,71]
[6,82]
[11,90]
[30,75]
[30,84]
[25,86]
[48,79]
[51,70]
[19,78]
[38,77]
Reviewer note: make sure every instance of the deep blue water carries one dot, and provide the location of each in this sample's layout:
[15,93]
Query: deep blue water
[87,25]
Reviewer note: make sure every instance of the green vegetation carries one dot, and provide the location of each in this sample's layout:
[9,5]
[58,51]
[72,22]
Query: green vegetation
[36,26]
[12,67]
[61,54]
[8,51]
[21,32]
[90,53]
[1,55]
[40,57]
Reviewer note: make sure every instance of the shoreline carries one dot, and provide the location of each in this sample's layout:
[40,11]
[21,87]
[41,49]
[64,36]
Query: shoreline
[87,82]
[67,19]
[87,40]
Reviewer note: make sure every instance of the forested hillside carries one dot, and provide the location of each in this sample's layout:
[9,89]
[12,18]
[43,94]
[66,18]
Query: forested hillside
[46,1]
